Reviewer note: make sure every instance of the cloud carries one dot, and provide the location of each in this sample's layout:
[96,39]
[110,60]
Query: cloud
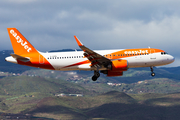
[101,24]
[20,1]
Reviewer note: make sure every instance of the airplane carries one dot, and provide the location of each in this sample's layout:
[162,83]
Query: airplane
[110,62]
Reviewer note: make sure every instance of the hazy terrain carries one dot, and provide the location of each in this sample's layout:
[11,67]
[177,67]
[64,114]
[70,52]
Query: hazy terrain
[29,93]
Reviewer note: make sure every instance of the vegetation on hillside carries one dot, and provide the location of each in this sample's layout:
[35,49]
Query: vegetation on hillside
[31,93]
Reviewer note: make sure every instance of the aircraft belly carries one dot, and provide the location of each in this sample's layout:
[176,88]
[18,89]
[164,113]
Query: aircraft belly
[70,64]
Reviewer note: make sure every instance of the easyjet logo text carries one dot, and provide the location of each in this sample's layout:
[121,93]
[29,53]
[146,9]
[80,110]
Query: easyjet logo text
[19,40]
[136,52]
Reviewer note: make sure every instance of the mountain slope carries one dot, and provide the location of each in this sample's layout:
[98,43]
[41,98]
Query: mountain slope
[19,85]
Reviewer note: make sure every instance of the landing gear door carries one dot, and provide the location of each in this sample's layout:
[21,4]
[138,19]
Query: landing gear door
[152,54]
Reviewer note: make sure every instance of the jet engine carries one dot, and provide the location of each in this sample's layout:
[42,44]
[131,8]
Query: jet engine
[118,65]
[116,68]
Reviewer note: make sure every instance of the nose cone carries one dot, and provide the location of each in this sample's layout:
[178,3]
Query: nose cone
[171,59]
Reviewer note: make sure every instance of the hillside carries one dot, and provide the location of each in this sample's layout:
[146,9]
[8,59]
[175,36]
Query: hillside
[20,85]
[111,105]
[34,97]
[29,93]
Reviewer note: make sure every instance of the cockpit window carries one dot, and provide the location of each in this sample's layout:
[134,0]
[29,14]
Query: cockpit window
[164,53]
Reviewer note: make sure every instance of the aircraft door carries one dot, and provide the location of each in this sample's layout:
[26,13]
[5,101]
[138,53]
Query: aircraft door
[152,54]
[41,59]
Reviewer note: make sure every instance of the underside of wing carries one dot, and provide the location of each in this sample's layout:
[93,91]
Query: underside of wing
[97,61]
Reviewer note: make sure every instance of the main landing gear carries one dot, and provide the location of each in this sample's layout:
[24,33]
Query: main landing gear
[152,71]
[96,75]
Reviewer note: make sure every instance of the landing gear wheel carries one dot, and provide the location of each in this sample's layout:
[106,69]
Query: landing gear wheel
[96,75]
[94,78]
[153,74]
[152,71]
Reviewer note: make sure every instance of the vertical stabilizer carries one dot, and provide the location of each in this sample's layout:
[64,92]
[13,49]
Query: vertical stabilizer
[20,44]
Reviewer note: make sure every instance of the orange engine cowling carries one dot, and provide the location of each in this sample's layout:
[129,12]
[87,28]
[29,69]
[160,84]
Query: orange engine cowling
[116,68]
[111,73]
[118,65]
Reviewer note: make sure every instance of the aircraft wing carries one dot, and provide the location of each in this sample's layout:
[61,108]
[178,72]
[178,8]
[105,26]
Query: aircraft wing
[17,57]
[97,60]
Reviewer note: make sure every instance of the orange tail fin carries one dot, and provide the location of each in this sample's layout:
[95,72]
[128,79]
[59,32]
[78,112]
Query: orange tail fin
[20,44]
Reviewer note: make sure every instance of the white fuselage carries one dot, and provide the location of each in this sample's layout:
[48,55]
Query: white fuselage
[109,62]
[69,60]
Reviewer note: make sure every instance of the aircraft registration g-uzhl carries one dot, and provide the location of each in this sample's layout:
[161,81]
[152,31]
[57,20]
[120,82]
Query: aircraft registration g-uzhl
[110,62]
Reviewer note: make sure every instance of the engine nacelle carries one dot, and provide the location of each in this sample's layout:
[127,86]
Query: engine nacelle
[118,65]
[116,68]
[111,73]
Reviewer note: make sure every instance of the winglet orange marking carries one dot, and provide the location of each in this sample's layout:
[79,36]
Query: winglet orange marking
[78,41]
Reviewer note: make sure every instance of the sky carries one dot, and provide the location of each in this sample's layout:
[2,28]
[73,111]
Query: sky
[99,24]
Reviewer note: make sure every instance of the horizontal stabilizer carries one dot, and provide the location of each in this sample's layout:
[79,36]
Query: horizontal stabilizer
[17,57]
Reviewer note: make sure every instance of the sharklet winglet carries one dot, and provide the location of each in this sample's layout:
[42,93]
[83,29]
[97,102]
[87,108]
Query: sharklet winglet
[78,41]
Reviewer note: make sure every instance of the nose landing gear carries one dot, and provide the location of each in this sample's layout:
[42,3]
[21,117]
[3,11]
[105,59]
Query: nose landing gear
[152,71]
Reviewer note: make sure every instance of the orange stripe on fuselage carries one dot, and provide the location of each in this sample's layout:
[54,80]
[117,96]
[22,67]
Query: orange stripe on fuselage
[132,52]
[123,54]
[79,63]
[35,61]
